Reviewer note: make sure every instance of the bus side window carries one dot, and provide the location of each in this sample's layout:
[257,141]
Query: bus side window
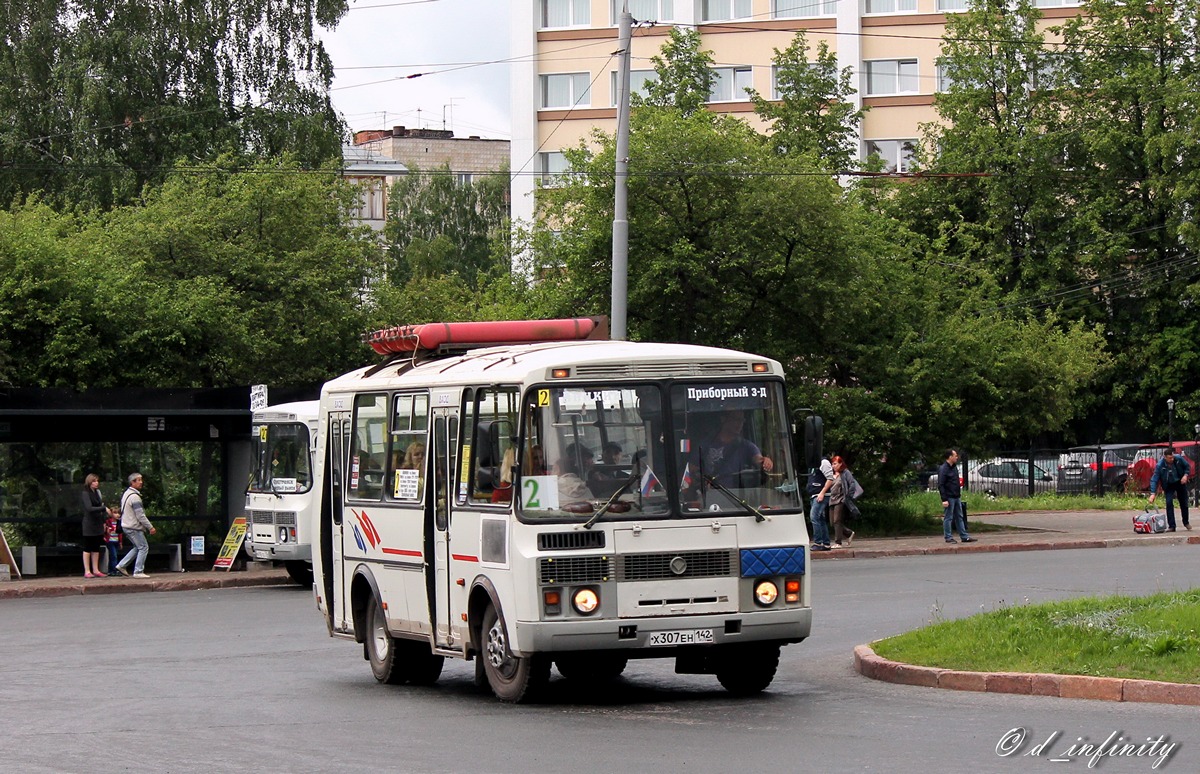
[368,451]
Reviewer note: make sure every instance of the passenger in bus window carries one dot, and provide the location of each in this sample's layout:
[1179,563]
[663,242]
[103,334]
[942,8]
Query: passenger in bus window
[573,470]
[414,457]
[726,454]
[503,491]
[537,461]
[610,459]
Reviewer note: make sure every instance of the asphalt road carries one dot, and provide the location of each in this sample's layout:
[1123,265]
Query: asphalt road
[247,680]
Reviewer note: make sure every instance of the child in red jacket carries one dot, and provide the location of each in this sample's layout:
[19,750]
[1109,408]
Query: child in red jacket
[112,539]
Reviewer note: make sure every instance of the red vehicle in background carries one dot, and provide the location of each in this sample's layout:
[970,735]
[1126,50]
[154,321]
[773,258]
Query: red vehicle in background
[1141,470]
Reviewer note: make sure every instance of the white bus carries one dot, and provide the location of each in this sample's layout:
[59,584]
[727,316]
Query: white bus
[280,497]
[575,502]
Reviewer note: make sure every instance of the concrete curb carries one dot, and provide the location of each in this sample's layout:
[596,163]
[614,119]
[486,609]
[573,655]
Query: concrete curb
[70,587]
[872,552]
[869,664]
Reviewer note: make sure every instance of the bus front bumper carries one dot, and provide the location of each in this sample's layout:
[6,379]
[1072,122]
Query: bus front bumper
[661,636]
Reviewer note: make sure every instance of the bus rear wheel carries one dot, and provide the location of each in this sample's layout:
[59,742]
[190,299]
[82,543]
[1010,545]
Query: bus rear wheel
[748,669]
[395,661]
[381,647]
[512,678]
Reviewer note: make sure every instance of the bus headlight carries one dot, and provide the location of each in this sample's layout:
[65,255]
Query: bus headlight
[766,592]
[585,601]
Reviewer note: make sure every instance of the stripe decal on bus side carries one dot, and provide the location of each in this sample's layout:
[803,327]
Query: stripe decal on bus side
[401,552]
[465,557]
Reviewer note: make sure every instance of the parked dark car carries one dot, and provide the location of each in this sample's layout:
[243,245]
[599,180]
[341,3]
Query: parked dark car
[1077,468]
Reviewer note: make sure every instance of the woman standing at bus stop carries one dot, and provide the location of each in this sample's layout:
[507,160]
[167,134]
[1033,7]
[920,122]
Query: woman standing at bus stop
[94,514]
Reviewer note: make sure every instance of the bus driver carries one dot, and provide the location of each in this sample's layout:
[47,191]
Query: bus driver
[727,453]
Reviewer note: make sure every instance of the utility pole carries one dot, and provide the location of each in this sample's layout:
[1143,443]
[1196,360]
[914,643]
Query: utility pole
[620,232]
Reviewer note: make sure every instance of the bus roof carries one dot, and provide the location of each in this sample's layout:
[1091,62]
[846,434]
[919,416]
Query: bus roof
[298,411]
[599,360]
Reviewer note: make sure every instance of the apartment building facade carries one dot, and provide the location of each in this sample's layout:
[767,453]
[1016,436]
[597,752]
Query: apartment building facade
[564,79]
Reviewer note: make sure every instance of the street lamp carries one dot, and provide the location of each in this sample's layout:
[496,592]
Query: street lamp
[1170,421]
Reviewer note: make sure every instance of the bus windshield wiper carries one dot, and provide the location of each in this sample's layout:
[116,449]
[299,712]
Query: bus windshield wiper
[758,515]
[603,509]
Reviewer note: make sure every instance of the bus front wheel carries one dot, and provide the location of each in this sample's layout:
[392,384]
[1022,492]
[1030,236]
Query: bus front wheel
[748,669]
[513,678]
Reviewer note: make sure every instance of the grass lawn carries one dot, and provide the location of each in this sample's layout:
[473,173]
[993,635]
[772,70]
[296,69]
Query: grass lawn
[1148,638]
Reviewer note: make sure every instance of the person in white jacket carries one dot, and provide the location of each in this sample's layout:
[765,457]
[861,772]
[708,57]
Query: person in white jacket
[135,525]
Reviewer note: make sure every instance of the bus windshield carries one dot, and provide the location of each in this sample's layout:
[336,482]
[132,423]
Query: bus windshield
[647,450]
[281,458]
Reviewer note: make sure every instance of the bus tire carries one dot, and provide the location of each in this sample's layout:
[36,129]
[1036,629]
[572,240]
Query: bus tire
[299,571]
[382,650]
[420,665]
[513,678]
[591,667]
[748,669]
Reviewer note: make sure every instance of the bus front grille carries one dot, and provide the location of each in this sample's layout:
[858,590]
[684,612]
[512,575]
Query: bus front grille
[575,569]
[286,518]
[570,541]
[681,564]
[261,517]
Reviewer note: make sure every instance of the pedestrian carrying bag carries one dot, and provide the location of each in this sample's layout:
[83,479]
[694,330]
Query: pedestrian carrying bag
[1149,521]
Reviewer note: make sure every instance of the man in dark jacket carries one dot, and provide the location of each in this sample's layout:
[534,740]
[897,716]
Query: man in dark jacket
[1172,473]
[950,488]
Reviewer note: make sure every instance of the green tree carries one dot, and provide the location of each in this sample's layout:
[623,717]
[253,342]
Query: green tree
[1002,132]
[683,73]
[216,279]
[99,97]
[437,224]
[1134,71]
[733,245]
[813,115]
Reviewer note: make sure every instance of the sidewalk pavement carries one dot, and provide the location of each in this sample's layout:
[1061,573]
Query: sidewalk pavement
[1024,531]
[73,585]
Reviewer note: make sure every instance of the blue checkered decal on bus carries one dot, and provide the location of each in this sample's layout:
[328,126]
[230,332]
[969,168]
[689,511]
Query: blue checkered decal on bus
[782,560]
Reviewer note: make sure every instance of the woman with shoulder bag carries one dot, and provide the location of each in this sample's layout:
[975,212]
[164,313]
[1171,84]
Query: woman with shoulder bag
[841,493]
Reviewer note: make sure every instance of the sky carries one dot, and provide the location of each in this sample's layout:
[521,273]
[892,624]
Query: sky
[379,43]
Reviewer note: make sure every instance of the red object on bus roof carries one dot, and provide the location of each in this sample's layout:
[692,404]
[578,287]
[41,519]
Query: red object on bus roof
[410,338]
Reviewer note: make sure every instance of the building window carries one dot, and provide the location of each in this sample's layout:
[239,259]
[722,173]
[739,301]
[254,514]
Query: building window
[892,76]
[897,155]
[724,10]
[646,10]
[800,9]
[944,81]
[566,13]
[638,81]
[730,84]
[891,6]
[565,90]
[464,178]
[953,5]
[1054,3]
[372,199]
[553,166]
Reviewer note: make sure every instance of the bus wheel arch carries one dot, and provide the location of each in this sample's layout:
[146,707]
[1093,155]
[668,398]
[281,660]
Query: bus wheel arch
[363,593]
[513,678]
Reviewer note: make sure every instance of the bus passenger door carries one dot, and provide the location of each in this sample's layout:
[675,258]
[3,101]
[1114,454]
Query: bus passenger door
[336,587]
[445,430]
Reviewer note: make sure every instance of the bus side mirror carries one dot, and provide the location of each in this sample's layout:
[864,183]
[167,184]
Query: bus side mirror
[814,441]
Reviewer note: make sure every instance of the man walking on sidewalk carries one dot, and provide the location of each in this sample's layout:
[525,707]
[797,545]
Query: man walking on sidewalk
[135,525]
[1172,473]
[950,488]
